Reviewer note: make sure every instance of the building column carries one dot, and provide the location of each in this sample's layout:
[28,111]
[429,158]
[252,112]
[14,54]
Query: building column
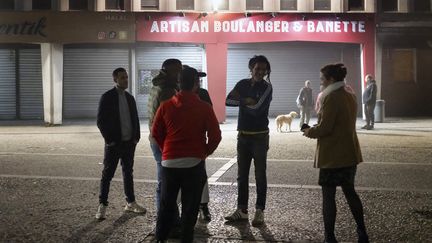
[216,54]
[100,5]
[52,82]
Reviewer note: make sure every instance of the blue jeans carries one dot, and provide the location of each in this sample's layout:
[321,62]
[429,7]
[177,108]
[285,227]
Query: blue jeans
[157,154]
[125,152]
[252,147]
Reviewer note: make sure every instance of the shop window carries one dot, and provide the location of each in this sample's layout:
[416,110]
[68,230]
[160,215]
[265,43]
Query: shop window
[78,5]
[7,4]
[322,5]
[356,5]
[150,4]
[288,4]
[41,4]
[403,65]
[421,5]
[254,5]
[389,5]
[114,4]
[185,4]
[220,5]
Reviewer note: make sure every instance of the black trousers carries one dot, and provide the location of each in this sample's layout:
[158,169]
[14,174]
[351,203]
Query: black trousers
[125,152]
[191,182]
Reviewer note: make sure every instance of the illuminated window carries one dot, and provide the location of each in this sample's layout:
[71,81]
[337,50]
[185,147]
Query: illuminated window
[220,4]
[78,4]
[356,5]
[288,4]
[185,5]
[389,5]
[114,4]
[403,65]
[254,5]
[150,4]
[322,5]
[7,4]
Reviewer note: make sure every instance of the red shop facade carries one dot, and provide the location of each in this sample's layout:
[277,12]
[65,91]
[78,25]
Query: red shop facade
[297,45]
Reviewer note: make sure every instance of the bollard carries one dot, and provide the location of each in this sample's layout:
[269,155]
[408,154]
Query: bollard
[379,111]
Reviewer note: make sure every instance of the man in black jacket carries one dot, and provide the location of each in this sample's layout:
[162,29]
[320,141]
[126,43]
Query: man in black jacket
[117,120]
[369,101]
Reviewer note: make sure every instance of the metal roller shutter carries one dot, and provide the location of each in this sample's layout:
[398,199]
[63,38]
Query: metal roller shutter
[292,63]
[30,74]
[149,60]
[7,84]
[87,75]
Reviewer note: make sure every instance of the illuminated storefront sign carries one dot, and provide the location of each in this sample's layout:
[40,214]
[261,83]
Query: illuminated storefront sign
[260,27]
[245,26]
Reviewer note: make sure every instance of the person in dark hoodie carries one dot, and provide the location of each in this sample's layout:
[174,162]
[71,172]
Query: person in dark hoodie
[187,132]
[369,101]
[165,86]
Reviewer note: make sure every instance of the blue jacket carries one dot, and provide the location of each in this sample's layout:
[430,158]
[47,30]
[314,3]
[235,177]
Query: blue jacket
[251,118]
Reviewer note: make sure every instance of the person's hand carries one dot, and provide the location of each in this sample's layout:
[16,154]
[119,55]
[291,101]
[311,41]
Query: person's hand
[135,141]
[249,101]
[111,144]
[306,132]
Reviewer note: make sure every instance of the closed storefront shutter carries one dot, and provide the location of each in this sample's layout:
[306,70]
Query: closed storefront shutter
[7,84]
[292,63]
[30,84]
[149,58]
[87,75]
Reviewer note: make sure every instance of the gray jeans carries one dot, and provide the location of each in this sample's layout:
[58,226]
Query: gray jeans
[305,114]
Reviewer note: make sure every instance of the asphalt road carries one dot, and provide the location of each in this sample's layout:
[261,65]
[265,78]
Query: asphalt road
[49,179]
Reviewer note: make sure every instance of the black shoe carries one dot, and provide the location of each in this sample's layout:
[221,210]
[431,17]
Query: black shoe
[370,128]
[362,236]
[365,127]
[204,213]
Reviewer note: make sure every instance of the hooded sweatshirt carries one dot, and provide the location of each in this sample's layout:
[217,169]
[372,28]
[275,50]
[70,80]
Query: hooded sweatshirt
[186,127]
[162,90]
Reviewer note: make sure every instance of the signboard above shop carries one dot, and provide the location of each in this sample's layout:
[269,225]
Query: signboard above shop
[230,28]
[67,27]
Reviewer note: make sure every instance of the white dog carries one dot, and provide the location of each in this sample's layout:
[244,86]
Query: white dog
[287,119]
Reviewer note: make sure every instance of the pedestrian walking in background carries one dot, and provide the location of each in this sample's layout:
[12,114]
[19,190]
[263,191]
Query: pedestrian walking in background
[338,150]
[117,120]
[369,101]
[165,86]
[305,103]
[187,131]
[253,97]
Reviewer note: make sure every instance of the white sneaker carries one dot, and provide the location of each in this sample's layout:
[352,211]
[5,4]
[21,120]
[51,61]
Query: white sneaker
[259,218]
[100,214]
[134,207]
[238,215]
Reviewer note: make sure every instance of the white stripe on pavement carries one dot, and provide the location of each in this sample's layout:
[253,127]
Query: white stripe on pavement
[312,187]
[213,178]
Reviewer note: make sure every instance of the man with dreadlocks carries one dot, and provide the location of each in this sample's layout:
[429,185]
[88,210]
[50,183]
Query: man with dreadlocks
[253,97]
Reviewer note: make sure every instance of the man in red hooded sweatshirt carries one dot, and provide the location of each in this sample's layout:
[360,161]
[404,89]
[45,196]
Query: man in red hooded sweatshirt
[187,131]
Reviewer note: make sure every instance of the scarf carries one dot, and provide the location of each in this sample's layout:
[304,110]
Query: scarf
[332,87]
